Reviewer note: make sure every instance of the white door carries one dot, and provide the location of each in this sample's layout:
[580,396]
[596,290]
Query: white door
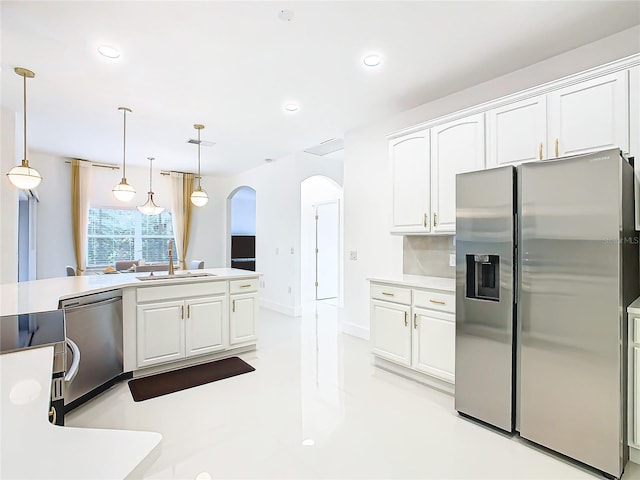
[434,343]
[160,332]
[409,156]
[391,331]
[456,147]
[327,250]
[243,317]
[517,132]
[589,116]
[205,325]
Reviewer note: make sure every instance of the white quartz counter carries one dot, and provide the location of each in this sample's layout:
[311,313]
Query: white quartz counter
[419,281]
[42,295]
[634,308]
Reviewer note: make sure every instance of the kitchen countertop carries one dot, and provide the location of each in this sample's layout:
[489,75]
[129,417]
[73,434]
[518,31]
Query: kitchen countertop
[634,308]
[419,281]
[42,295]
[34,448]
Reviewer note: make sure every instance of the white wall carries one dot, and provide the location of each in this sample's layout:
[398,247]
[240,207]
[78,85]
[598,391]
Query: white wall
[8,200]
[277,187]
[367,171]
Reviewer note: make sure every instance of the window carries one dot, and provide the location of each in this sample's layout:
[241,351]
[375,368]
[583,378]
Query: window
[122,234]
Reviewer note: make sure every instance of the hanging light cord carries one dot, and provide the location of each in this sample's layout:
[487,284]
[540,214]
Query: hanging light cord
[124,146]
[150,167]
[199,176]
[24,79]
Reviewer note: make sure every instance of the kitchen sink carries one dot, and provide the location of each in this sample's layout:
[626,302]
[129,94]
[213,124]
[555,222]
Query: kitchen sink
[164,276]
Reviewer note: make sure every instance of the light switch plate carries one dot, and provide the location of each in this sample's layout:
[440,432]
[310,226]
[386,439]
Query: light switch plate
[353,255]
[452,259]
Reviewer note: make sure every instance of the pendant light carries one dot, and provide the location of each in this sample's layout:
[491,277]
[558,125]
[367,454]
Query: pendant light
[199,197]
[23,176]
[123,191]
[150,208]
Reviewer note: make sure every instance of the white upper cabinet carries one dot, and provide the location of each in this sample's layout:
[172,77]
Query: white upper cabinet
[456,147]
[634,132]
[589,116]
[517,132]
[409,155]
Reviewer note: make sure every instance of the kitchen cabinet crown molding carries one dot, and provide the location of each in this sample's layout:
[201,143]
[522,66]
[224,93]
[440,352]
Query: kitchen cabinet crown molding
[575,78]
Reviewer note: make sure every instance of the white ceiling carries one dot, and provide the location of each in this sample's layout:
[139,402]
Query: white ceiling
[233,65]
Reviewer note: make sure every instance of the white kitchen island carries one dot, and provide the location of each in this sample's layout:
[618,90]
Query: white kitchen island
[168,321]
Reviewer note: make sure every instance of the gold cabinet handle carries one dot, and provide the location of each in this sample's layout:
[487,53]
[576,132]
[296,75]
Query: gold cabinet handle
[388,294]
[245,286]
[435,219]
[556,147]
[405,319]
[425,220]
[233,306]
[439,302]
[53,414]
[415,320]
[182,312]
[188,311]
[540,151]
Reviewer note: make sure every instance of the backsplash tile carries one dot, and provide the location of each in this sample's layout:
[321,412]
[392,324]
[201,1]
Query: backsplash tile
[428,255]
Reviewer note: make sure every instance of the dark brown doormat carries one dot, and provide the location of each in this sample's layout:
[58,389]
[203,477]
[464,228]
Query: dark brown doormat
[170,382]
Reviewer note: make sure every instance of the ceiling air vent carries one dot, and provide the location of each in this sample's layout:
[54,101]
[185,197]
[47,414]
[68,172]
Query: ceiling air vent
[326,147]
[204,143]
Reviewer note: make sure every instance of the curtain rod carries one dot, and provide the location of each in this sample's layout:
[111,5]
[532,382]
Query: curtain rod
[101,165]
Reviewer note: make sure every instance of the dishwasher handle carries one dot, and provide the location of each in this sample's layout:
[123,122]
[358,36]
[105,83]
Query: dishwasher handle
[72,307]
[75,361]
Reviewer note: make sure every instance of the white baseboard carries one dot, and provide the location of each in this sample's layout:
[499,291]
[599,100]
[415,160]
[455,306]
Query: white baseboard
[284,309]
[355,330]
[634,455]
[436,383]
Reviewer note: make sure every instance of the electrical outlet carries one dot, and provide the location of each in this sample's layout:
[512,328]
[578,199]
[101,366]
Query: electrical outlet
[452,259]
[277,251]
[353,255]
[291,250]
[289,289]
[261,283]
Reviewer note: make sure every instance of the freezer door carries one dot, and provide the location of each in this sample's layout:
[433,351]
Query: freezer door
[484,296]
[570,313]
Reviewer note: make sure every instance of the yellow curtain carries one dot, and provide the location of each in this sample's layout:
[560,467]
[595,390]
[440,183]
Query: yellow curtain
[80,179]
[181,186]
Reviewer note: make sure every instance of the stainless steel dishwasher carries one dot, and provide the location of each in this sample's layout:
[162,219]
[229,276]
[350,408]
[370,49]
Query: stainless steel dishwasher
[94,326]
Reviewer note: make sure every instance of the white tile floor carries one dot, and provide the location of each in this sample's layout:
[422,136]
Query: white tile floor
[315,386]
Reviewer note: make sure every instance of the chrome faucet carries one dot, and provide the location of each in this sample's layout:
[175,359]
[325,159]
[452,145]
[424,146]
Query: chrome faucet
[171,272]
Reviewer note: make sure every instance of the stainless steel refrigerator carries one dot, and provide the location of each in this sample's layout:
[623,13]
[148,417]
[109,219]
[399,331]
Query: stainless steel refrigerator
[547,262]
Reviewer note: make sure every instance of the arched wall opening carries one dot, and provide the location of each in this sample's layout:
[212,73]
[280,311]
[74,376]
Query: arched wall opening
[241,242]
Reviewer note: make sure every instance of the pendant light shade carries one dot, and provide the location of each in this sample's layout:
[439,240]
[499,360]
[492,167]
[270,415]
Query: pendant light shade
[199,197]
[123,191]
[150,208]
[23,176]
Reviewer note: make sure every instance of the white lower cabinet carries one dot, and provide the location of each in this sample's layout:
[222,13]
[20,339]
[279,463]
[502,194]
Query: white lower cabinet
[636,391]
[242,320]
[391,331]
[434,343]
[414,328]
[205,325]
[160,333]
[178,322]
[170,331]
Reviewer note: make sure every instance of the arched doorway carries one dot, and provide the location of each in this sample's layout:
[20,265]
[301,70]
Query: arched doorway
[321,239]
[242,228]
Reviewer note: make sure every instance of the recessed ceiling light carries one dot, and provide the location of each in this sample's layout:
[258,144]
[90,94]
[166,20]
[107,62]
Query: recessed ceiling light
[108,51]
[372,60]
[285,15]
[291,107]
[308,442]
[268,160]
